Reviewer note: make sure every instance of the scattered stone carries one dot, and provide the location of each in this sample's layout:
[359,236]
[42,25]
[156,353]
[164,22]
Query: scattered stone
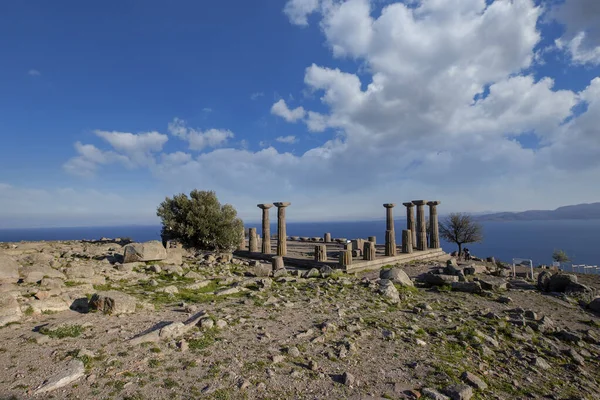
[260,270]
[492,283]
[221,324]
[207,323]
[568,336]
[459,391]
[505,299]
[311,273]
[10,310]
[576,357]
[595,305]
[326,271]
[278,359]
[67,375]
[113,302]
[439,279]
[388,335]
[148,251]
[539,362]
[293,351]
[227,292]
[420,342]
[473,380]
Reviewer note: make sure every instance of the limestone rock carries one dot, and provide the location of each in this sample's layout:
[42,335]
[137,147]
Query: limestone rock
[10,311]
[113,302]
[66,375]
[459,392]
[9,269]
[174,256]
[51,304]
[326,271]
[439,279]
[469,287]
[559,282]
[387,289]
[148,251]
[79,271]
[260,270]
[492,283]
[396,275]
[433,394]
[311,273]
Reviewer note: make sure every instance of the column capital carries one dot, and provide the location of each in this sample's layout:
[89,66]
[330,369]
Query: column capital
[280,204]
[419,202]
[409,204]
[389,205]
[434,203]
[264,206]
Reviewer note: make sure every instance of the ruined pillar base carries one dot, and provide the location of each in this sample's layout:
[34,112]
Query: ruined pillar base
[345,258]
[369,251]
[390,243]
[277,263]
[320,253]
[407,245]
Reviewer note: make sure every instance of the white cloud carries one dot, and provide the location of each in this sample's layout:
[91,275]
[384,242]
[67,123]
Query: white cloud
[287,139]
[281,109]
[197,139]
[207,110]
[298,10]
[256,95]
[581,39]
[34,72]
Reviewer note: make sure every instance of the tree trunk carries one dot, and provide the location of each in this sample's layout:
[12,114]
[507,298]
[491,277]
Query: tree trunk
[459,249]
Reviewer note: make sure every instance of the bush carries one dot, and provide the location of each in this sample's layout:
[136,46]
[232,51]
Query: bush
[200,221]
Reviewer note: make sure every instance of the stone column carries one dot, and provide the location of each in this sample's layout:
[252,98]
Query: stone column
[281,234]
[242,244]
[434,230]
[252,240]
[266,228]
[369,251]
[320,252]
[390,235]
[373,239]
[407,245]
[421,225]
[327,238]
[410,221]
[277,263]
[345,258]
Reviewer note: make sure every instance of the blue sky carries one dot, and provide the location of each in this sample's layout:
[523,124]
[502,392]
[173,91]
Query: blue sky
[336,106]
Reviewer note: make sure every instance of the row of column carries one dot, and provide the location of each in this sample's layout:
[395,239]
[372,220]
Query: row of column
[266,230]
[413,235]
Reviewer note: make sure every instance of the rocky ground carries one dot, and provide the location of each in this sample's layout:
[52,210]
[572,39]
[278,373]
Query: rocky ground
[209,326]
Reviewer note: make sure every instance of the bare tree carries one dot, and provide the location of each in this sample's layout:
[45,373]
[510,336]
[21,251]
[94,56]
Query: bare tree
[460,229]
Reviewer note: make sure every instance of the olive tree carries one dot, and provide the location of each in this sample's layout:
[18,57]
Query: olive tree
[460,229]
[560,256]
[200,221]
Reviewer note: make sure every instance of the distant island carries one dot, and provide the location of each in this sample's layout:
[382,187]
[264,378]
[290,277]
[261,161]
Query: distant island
[578,211]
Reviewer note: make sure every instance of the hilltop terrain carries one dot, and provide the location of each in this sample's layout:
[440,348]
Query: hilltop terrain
[80,323]
[579,211]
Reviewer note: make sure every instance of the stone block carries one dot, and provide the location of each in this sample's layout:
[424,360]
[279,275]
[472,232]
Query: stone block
[9,270]
[113,302]
[148,251]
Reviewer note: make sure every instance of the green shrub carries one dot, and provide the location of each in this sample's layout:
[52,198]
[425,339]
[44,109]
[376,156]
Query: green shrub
[200,221]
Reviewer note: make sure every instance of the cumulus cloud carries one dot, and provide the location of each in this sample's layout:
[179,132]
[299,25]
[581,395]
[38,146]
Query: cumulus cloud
[197,139]
[287,139]
[281,109]
[581,39]
[34,72]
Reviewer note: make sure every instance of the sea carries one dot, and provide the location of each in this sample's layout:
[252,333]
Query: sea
[505,240]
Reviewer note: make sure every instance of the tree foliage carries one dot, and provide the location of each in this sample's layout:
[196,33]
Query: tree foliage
[560,256]
[200,221]
[460,229]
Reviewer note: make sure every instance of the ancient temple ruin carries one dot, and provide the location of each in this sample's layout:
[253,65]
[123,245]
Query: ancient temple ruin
[419,241]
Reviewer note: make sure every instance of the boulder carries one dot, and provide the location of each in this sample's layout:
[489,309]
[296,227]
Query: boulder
[595,305]
[51,304]
[326,271]
[544,281]
[10,311]
[260,270]
[396,275]
[311,273]
[387,289]
[492,283]
[559,282]
[148,251]
[576,289]
[113,302]
[9,269]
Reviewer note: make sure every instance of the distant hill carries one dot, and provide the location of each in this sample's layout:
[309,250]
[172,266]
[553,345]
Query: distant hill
[579,211]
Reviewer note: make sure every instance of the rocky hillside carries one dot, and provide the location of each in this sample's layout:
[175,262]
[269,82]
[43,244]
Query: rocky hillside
[109,320]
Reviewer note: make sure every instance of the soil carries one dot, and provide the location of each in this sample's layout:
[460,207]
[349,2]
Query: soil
[300,338]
